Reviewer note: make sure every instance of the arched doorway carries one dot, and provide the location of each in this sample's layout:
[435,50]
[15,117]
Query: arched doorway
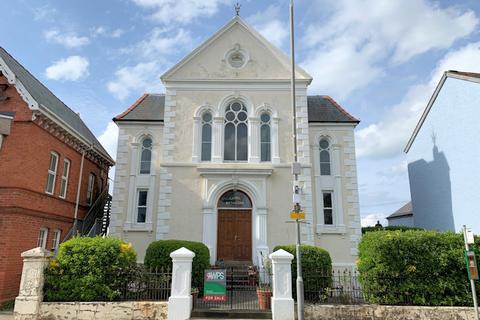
[234,232]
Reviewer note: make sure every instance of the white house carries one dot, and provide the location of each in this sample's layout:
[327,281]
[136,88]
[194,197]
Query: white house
[443,156]
[210,160]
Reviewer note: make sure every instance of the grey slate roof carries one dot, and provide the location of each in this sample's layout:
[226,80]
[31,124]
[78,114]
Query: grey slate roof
[150,107]
[47,100]
[325,109]
[406,210]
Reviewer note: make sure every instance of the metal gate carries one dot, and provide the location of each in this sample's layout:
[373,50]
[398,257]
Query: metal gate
[247,289]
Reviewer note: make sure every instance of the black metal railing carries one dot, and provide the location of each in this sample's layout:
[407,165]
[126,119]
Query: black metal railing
[139,284]
[96,212]
[348,287]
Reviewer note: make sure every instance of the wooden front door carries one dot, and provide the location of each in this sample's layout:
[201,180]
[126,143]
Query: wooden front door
[234,241]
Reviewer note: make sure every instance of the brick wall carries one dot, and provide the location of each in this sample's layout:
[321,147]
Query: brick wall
[24,205]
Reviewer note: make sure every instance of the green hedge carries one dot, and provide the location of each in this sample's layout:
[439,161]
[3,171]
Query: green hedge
[414,267]
[158,256]
[88,269]
[389,228]
[315,262]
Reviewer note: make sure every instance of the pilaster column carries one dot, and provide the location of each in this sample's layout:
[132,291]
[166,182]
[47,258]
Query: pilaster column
[217,140]
[180,301]
[254,140]
[197,137]
[27,304]
[209,232]
[274,136]
[338,206]
[282,301]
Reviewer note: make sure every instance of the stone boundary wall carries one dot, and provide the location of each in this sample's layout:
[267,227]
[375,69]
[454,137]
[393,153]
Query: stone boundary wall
[378,312]
[103,310]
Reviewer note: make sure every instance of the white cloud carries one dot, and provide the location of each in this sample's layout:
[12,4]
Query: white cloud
[109,139]
[73,68]
[389,136]
[347,51]
[269,25]
[141,77]
[164,41]
[44,13]
[105,32]
[68,40]
[181,11]
[370,220]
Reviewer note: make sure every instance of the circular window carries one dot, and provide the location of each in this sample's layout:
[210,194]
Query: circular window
[324,144]
[236,59]
[265,117]
[207,117]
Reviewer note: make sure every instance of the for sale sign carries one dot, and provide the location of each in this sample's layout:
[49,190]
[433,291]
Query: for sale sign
[215,285]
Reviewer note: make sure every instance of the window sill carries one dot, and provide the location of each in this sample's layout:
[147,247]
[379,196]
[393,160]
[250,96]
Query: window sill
[141,227]
[331,229]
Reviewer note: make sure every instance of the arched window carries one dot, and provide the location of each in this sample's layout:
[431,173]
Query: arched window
[265,137]
[324,157]
[236,133]
[206,136]
[146,156]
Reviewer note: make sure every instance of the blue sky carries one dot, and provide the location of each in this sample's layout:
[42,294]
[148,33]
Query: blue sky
[378,59]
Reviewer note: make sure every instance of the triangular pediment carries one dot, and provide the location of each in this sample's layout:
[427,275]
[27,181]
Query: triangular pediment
[235,52]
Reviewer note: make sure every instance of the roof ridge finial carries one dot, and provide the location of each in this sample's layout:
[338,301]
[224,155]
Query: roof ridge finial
[237,7]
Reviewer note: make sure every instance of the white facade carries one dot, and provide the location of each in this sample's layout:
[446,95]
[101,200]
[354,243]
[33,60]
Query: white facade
[236,65]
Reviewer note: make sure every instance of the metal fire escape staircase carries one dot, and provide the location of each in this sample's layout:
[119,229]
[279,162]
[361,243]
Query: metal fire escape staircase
[96,220]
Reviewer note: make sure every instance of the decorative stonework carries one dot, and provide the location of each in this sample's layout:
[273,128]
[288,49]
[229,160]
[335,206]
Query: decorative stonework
[165,189]
[303,143]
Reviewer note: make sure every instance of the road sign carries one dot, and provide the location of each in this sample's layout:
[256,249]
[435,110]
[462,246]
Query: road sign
[469,236]
[471,265]
[215,285]
[297,215]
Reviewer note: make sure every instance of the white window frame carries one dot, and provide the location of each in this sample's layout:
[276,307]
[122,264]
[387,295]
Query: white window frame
[52,172]
[269,143]
[329,150]
[56,239]
[42,238]
[332,208]
[137,205]
[90,187]
[142,148]
[64,179]
[202,142]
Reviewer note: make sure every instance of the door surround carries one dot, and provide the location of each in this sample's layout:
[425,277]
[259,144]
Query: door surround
[234,227]
[254,185]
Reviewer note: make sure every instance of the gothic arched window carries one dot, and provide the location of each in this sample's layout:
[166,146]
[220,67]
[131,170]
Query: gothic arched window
[324,157]
[146,156]
[236,133]
[206,136]
[265,137]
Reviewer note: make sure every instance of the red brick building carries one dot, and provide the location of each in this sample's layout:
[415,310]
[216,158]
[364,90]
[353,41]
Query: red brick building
[51,169]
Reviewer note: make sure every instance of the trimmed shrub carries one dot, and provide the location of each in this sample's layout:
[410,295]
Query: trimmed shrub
[88,269]
[158,256]
[316,267]
[414,267]
[389,228]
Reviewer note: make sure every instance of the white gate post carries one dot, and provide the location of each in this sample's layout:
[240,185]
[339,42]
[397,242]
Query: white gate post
[27,304]
[282,301]
[180,301]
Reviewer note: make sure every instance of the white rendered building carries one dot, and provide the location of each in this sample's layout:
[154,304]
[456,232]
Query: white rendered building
[210,160]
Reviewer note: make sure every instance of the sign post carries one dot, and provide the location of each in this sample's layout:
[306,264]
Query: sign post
[471,265]
[215,285]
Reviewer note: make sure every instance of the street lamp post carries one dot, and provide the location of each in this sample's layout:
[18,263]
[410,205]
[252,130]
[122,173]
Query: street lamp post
[296,170]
